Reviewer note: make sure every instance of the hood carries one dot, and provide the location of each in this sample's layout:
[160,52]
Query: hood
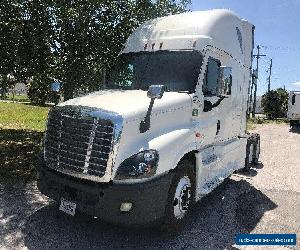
[130,103]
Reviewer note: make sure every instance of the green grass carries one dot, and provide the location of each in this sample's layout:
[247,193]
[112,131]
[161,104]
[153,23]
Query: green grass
[22,116]
[21,131]
[252,122]
[17,98]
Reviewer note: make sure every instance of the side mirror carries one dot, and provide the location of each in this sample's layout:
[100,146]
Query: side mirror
[156,91]
[55,87]
[225,81]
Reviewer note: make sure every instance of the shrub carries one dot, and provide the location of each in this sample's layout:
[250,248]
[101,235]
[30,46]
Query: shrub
[39,90]
[274,103]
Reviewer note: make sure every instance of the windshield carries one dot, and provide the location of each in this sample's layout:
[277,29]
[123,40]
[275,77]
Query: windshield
[177,70]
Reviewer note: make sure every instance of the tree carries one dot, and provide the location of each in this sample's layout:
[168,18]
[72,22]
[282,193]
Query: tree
[71,41]
[90,34]
[25,42]
[10,25]
[275,103]
[39,90]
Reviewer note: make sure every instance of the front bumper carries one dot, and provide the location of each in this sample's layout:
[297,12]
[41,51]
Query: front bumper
[103,200]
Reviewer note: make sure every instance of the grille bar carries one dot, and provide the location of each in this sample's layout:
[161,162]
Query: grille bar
[79,144]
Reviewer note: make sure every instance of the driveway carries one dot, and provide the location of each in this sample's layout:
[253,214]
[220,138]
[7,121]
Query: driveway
[266,200]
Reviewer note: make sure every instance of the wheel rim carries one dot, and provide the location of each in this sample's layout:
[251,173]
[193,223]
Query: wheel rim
[182,198]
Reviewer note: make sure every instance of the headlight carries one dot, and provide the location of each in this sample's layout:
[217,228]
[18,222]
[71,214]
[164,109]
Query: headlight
[138,166]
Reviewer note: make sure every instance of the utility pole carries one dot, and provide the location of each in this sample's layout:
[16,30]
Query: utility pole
[255,80]
[270,73]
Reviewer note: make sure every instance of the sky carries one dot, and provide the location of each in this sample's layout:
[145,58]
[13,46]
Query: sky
[277,31]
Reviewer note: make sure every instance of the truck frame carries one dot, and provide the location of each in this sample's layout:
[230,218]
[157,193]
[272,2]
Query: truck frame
[148,147]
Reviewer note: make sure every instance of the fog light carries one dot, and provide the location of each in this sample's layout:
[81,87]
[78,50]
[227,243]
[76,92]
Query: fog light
[125,206]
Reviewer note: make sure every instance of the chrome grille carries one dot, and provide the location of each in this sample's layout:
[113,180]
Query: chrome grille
[78,143]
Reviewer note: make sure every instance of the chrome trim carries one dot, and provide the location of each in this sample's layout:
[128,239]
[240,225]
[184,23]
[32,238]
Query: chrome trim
[89,149]
[117,120]
[93,114]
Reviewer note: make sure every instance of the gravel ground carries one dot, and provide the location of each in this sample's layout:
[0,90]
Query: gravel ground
[267,200]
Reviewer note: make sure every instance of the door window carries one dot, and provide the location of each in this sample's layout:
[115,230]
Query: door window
[211,79]
[217,83]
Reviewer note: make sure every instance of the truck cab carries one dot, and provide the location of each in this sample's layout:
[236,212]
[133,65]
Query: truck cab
[169,127]
[294,109]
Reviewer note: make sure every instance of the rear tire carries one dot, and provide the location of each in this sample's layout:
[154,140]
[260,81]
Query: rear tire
[181,197]
[294,124]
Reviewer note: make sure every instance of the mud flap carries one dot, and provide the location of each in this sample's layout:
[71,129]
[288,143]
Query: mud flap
[252,151]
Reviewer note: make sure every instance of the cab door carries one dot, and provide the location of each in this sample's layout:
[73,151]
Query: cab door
[212,101]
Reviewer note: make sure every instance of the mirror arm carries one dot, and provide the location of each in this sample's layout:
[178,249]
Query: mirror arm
[208,106]
[145,124]
[154,92]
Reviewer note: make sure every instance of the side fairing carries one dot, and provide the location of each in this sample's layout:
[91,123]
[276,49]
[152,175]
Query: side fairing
[217,162]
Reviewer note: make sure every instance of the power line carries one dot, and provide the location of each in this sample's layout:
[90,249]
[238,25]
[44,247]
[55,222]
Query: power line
[282,48]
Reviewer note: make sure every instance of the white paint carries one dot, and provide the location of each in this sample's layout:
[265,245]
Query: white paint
[212,27]
[294,110]
[130,103]
[173,128]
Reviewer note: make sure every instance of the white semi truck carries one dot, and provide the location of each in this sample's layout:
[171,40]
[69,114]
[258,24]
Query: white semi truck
[294,109]
[158,140]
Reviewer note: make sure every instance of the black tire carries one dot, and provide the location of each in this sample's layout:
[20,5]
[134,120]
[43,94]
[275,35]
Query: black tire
[294,125]
[171,223]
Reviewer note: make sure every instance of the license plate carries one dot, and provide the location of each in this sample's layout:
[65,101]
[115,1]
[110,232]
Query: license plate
[67,206]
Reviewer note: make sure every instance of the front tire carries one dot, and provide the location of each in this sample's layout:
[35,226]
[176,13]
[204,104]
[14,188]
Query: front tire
[181,197]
